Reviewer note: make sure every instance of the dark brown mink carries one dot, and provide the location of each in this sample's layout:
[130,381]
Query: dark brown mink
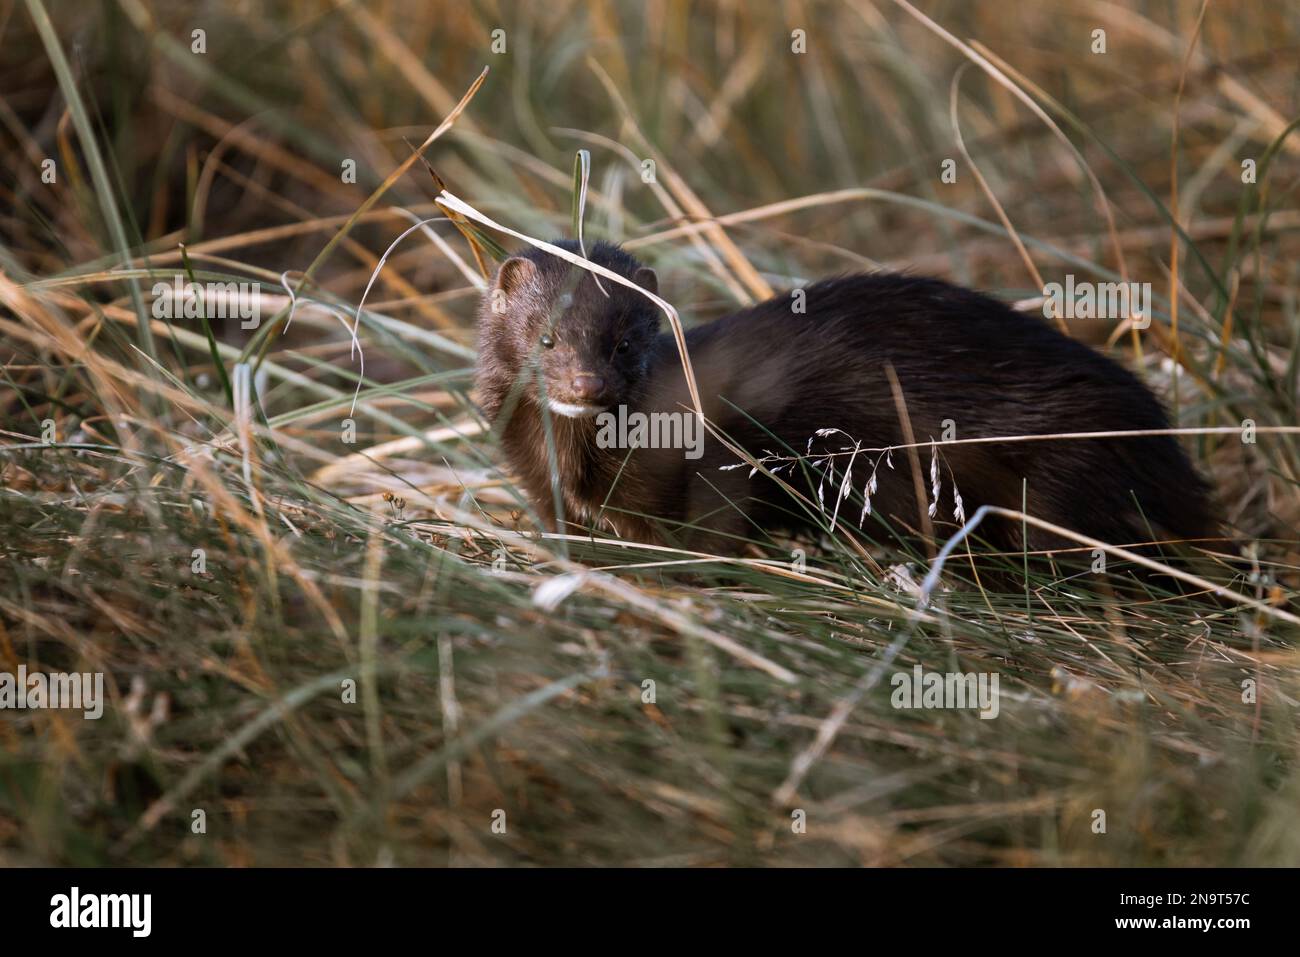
[772,378]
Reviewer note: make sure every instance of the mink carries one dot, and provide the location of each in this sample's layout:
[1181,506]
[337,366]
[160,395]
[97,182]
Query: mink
[556,348]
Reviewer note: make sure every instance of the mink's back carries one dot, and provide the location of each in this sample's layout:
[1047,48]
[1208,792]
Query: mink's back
[958,356]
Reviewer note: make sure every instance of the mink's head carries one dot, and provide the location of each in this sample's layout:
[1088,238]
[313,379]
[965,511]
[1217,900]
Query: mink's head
[547,325]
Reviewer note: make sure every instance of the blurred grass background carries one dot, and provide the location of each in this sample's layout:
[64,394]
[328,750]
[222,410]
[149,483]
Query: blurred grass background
[404,562]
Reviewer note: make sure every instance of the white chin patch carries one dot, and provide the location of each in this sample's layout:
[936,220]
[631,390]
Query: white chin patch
[571,410]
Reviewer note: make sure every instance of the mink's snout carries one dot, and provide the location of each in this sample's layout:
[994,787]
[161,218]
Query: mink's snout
[584,384]
[588,387]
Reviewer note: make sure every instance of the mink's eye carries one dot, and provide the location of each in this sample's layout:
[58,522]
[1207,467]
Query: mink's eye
[624,346]
[548,341]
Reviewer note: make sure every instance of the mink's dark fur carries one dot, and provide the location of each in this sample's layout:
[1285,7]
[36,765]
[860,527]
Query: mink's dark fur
[770,378]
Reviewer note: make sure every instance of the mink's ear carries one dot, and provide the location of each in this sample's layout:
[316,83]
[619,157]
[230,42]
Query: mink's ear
[647,279]
[515,274]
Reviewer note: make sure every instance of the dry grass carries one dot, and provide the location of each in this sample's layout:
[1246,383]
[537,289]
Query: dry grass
[499,670]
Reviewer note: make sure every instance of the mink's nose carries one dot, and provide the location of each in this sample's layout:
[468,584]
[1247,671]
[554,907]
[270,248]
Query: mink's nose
[588,386]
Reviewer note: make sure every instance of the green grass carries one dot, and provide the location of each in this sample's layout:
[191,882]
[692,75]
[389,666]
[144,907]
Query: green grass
[411,571]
